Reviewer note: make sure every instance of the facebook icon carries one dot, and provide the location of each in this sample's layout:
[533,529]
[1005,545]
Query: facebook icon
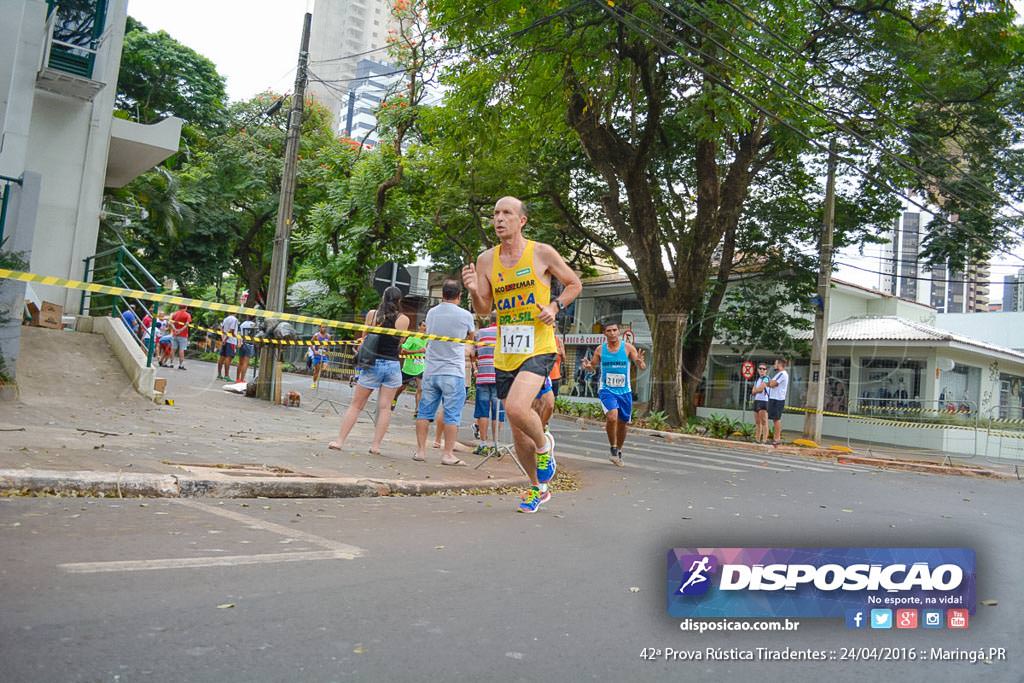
[856,618]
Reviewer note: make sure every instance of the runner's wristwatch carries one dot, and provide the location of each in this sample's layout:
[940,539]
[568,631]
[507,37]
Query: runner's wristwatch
[561,306]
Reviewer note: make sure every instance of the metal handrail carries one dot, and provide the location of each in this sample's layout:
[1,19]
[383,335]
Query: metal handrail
[131,257]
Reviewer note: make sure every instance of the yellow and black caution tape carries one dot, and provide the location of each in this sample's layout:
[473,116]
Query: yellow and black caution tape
[280,342]
[867,419]
[50,280]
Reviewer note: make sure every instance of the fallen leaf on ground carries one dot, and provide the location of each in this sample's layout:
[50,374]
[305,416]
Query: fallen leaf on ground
[989,603]
[634,589]
[226,605]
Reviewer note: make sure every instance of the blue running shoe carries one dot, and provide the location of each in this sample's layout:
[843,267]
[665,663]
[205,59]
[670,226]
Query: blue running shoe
[546,466]
[531,500]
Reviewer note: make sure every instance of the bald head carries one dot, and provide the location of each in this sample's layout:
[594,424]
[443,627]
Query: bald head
[518,205]
[509,217]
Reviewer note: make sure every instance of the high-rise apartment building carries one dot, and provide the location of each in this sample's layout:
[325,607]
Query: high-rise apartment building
[1013,292]
[343,33]
[374,81]
[947,288]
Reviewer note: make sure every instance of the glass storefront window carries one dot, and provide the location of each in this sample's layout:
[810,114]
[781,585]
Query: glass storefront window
[888,384]
[1011,397]
[960,389]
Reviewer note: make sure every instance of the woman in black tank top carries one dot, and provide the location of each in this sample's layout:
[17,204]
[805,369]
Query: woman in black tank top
[385,372]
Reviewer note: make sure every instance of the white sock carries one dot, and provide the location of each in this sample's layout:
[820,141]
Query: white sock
[542,487]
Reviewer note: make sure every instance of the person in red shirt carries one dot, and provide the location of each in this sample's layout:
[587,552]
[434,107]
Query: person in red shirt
[181,319]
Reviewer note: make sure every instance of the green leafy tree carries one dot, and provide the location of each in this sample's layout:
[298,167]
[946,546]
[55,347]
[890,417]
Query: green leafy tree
[664,126]
[161,77]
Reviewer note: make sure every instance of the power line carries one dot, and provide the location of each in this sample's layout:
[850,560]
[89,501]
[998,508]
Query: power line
[836,79]
[621,15]
[898,276]
[807,104]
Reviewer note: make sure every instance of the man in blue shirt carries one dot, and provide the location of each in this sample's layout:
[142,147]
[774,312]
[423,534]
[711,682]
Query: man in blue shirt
[614,390]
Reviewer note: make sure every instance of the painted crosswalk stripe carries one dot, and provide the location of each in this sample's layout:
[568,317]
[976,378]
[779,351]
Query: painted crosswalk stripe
[668,469]
[768,460]
[561,448]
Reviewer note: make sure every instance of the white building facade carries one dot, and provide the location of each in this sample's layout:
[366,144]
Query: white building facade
[60,143]
[889,362]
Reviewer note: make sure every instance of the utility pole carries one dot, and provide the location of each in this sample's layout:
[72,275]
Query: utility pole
[819,343]
[279,258]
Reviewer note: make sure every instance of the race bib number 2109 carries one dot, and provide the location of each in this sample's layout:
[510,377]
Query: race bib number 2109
[517,339]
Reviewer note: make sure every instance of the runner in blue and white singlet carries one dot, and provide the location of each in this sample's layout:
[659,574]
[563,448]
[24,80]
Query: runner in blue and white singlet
[615,390]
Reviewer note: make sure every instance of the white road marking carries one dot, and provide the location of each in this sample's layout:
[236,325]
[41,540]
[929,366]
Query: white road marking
[689,463]
[333,549]
[254,523]
[194,562]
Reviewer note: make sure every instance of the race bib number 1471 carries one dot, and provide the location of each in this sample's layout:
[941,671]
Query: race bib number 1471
[517,339]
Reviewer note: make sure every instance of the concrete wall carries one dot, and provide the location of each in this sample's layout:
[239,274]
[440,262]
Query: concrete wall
[127,350]
[21,222]
[67,146]
[21,48]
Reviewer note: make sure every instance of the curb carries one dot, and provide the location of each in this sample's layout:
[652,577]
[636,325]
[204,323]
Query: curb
[824,453]
[121,485]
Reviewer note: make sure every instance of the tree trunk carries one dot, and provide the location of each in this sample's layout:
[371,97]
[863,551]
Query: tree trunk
[667,330]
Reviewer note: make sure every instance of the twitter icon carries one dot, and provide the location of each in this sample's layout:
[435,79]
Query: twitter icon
[881,618]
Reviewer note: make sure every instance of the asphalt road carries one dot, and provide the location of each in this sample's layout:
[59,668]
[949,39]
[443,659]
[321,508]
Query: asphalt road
[464,589]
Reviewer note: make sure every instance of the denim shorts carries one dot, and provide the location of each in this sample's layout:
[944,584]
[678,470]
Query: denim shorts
[487,403]
[446,390]
[383,372]
[179,343]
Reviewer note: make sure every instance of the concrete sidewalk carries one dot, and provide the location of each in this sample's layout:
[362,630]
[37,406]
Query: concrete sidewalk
[79,420]
[80,427]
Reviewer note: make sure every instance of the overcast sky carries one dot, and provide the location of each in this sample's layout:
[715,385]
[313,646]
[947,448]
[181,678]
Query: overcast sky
[255,44]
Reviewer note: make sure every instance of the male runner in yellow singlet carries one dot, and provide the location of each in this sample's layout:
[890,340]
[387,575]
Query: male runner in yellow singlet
[515,278]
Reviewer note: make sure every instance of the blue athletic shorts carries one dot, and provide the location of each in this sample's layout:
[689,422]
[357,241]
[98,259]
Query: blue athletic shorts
[544,388]
[319,360]
[447,390]
[621,402]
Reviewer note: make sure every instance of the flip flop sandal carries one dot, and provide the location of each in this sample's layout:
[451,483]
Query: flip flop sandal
[454,463]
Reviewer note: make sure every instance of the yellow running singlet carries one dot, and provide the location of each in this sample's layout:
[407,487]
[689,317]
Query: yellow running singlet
[517,293]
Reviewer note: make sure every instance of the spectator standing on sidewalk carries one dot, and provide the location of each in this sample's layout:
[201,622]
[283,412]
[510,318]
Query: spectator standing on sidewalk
[760,394]
[228,346]
[247,349]
[487,410]
[380,370]
[444,377]
[778,387]
[413,356]
[181,319]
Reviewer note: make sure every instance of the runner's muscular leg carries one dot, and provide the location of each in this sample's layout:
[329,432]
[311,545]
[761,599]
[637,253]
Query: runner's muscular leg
[611,419]
[527,429]
[620,433]
[525,453]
